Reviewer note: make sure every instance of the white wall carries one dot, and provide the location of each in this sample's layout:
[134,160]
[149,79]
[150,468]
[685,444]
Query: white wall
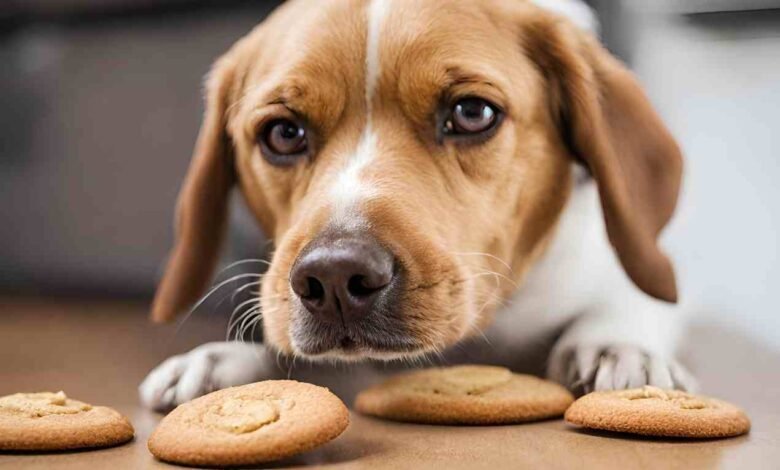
[716,81]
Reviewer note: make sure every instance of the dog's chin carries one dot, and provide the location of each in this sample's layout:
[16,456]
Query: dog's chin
[348,349]
[383,338]
[362,355]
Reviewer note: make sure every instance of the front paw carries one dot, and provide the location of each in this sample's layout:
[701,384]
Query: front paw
[210,367]
[585,369]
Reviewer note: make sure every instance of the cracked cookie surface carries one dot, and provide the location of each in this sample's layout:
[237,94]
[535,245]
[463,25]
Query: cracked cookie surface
[652,411]
[250,424]
[46,421]
[241,414]
[467,394]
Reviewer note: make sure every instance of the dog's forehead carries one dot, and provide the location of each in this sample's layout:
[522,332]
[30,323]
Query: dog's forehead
[367,39]
[353,49]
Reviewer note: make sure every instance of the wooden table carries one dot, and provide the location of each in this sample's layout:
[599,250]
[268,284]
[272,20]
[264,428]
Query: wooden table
[99,351]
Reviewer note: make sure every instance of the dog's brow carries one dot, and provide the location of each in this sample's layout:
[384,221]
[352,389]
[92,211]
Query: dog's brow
[295,97]
[459,76]
[285,95]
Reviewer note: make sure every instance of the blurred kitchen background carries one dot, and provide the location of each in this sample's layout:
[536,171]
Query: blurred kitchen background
[100,102]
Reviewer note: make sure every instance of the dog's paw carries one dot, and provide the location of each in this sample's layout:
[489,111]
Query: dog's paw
[207,368]
[586,369]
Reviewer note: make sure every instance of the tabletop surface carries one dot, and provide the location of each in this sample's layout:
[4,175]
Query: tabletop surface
[99,351]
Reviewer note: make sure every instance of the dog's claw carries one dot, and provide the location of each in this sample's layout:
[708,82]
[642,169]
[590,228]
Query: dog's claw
[586,369]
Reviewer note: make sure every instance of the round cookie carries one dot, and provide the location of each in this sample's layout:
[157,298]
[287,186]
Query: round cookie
[467,394]
[51,421]
[249,424]
[651,411]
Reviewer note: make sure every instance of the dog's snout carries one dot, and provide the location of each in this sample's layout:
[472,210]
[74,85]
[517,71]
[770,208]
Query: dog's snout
[341,279]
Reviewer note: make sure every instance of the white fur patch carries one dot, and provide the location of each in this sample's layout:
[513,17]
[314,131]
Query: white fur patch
[575,10]
[348,188]
[377,10]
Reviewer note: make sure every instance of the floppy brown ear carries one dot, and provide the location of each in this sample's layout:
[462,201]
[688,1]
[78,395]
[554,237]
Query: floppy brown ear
[610,125]
[201,212]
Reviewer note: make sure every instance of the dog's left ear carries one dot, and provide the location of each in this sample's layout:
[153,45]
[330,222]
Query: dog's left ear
[202,206]
[610,125]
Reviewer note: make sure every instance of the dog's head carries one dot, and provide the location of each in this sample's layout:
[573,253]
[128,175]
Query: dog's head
[410,160]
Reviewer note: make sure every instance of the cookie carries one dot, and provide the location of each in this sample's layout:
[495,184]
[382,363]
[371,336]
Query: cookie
[467,394]
[51,421]
[250,424]
[651,411]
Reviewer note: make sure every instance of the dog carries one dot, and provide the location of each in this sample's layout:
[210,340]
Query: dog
[433,173]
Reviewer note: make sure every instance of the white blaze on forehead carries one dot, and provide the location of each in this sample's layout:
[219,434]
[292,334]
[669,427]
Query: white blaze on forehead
[377,9]
[348,189]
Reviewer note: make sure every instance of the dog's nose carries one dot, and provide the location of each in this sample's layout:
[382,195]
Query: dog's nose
[341,280]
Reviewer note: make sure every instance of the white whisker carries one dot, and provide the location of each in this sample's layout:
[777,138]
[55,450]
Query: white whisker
[236,310]
[495,274]
[247,317]
[487,255]
[245,286]
[222,284]
[243,261]
[235,323]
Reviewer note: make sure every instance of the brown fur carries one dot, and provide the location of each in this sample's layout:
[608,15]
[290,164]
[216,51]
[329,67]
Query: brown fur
[564,97]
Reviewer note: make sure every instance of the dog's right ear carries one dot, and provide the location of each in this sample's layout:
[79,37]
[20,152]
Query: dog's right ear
[202,205]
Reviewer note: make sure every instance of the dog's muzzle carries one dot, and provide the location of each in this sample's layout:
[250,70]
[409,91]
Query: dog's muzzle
[349,289]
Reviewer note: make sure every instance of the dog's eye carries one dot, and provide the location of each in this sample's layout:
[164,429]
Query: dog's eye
[282,139]
[471,116]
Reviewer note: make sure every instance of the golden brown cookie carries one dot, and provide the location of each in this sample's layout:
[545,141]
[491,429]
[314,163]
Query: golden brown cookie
[250,424]
[468,394]
[51,421]
[651,411]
